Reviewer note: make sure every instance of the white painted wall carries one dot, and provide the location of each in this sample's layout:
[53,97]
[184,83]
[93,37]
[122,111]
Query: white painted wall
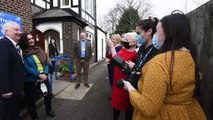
[101,53]
[55,3]
[90,30]
[75,2]
[76,10]
[57,26]
[40,3]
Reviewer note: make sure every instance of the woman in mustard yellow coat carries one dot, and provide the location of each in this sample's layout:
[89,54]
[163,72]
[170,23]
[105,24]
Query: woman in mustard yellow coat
[169,83]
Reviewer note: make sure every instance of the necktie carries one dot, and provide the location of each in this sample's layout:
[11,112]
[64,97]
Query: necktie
[18,49]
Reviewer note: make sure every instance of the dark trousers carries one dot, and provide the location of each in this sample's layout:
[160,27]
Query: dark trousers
[10,108]
[31,93]
[53,65]
[82,63]
[128,114]
[111,73]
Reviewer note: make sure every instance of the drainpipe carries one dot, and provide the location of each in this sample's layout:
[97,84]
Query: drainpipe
[96,32]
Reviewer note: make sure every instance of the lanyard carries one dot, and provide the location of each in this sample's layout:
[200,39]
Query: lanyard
[143,60]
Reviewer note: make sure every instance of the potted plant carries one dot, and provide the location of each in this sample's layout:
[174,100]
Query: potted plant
[65,69]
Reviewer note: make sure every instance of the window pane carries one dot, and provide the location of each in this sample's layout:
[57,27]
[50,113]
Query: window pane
[65,2]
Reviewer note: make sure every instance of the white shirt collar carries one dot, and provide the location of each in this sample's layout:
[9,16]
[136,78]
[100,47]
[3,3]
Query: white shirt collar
[14,43]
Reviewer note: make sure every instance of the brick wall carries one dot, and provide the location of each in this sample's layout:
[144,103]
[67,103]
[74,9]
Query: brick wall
[69,36]
[20,8]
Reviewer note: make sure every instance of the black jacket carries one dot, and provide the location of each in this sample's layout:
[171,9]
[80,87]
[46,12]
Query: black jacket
[52,50]
[11,69]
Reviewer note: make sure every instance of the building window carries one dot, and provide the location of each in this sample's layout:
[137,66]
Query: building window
[65,3]
[89,7]
[89,35]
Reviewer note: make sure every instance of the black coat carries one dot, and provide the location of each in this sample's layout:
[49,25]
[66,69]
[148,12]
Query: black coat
[11,69]
[52,50]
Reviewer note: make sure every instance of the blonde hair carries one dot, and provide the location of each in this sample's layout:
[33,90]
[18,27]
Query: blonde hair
[117,37]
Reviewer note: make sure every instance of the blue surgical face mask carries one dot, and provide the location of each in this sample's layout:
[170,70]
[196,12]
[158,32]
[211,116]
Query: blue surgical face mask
[156,43]
[140,40]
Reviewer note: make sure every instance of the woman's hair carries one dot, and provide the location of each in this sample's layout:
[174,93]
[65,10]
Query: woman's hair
[117,37]
[177,35]
[132,35]
[177,32]
[146,24]
[23,42]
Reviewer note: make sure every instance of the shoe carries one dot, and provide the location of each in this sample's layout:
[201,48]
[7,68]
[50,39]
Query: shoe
[86,85]
[77,86]
[50,114]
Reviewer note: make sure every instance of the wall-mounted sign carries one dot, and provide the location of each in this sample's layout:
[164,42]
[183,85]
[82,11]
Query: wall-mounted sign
[6,17]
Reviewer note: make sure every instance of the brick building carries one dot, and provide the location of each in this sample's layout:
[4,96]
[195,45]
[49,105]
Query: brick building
[62,20]
[25,11]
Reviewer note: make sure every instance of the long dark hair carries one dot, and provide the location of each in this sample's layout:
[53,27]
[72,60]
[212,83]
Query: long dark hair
[177,31]
[23,42]
[52,42]
[146,24]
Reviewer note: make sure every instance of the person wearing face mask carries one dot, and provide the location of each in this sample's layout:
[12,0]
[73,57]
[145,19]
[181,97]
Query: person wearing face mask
[53,51]
[120,98]
[116,38]
[36,67]
[145,30]
[169,85]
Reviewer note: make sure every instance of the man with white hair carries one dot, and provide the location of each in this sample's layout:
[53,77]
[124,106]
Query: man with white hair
[82,54]
[11,72]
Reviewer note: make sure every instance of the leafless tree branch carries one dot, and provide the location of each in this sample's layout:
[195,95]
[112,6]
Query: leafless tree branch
[111,19]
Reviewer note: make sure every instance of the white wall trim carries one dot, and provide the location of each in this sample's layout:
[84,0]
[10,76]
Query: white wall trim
[57,26]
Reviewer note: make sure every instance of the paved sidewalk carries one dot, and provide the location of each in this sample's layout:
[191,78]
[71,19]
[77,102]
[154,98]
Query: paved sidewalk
[59,85]
[84,103]
[88,104]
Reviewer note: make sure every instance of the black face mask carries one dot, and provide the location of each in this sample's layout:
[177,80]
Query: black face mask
[126,45]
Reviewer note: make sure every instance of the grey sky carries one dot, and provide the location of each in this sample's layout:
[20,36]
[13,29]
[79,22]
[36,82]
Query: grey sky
[160,7]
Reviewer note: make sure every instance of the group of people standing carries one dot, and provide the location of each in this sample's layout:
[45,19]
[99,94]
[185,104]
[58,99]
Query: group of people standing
[163,83]
[164,78]
[24,69]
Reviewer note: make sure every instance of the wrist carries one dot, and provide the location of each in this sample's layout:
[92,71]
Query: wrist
[130,87]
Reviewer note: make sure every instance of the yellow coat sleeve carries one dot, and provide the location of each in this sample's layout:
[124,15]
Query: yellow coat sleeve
[152,93]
